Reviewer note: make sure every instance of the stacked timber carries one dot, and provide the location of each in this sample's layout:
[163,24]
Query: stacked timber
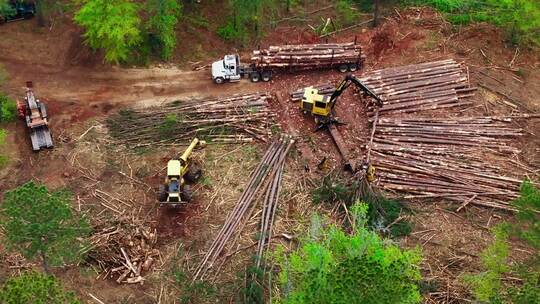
[239,118]
[325,89]
[419,87]
[266,176]
[412,88]
[308,55]
[453,159]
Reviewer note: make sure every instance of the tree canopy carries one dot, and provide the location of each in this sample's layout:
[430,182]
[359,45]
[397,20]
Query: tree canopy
[528,206]
[39,222]
[521,18]
[334,267]
[164,16]
[6,10]
[110,25]
[36,288]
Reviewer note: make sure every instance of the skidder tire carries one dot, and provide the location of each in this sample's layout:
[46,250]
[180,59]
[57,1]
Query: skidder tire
[194,174]
[186,195]
[353,67]
[255,77]
[266,76]
[343,68]
[162,193]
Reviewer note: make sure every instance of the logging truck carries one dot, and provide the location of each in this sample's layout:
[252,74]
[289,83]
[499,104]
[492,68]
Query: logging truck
[265,63]
[34,113]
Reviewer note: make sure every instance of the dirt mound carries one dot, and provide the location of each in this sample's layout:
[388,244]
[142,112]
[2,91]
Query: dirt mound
[383,40]
[79,54]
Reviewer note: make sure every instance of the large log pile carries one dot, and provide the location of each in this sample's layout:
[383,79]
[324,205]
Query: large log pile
[420,87]
[465,159]
[470,160]
[308,55]
[266,176]
[239,118]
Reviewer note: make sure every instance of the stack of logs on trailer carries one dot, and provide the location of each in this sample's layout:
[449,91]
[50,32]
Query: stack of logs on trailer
[344,56]
[34,113]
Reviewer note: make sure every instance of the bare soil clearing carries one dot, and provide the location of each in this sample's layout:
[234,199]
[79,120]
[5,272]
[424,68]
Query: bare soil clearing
[80,95]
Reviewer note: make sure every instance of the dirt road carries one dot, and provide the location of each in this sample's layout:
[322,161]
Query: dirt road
[67,72]
[117,85]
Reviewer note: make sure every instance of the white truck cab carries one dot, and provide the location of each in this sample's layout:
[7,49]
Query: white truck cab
[227,69]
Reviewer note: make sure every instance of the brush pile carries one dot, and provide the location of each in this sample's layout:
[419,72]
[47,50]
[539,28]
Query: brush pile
[267,176]
[123,249]
[239,118]
[122,246]
[308,55]
[452,158]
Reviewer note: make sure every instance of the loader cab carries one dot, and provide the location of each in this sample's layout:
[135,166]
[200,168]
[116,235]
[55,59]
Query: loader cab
[174,191]
[226,69]
[315,103]
[174,179]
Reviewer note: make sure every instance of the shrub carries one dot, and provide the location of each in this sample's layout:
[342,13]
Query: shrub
[230,33]
[35,288]
[246,20]
[528,293]
[162,23]
[332,190]
[190,292]
[364,5]
[346,12]
[4,75]
[528,206]
[333,267]
[169,125]
[520,18]
[384,212]
[3,158]
[6,10]
[8,109]
[3,135]
[486,285]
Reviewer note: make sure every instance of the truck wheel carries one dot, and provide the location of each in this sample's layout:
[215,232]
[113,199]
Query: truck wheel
[194,174]
[219,80]
[343,68]
[266,76]
[255,77]
[162,193]
[186,194]
[353,67]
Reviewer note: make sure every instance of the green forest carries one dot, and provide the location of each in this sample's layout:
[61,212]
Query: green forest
[441,203]
[127,28]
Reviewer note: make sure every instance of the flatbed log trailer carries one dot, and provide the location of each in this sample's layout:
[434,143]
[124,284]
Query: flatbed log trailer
[289,58]
[34,113]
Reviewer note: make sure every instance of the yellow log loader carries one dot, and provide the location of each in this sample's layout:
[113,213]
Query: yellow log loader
[175,190]
[322,108]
